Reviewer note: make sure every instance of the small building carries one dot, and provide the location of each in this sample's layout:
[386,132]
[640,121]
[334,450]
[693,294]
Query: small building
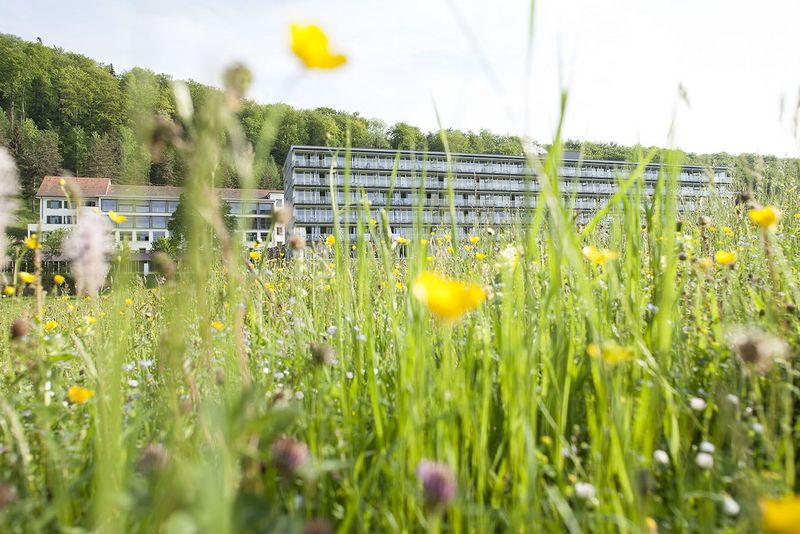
[148,208]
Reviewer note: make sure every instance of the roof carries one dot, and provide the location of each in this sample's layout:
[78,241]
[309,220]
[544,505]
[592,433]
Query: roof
[89,187]
[102,187]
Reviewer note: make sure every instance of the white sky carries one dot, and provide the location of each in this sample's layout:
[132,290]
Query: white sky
[622,61]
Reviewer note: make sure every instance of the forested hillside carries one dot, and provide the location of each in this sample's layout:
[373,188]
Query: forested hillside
[64,112]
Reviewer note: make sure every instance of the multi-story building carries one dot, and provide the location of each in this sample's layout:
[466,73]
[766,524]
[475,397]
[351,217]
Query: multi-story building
[489,189]
[148,208]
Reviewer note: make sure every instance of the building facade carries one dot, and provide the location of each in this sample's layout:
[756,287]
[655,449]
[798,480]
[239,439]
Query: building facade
[148,208]
[490,190]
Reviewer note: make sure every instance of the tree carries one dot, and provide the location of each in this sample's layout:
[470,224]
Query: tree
[403,136]
[38,156]
[104,158]
[52,243]
[168,245]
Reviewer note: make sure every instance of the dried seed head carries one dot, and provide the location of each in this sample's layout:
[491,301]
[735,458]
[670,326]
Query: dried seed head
[317,526]
[282,215]
[289,456]
[153,458]
[165,133]
[743,197]
[704,220]
[438,483]
[164,265]
[8,494]
[297,242]
[20,329]
[237,79]
[682,256]
[322,353]
[678,226]
[757,348]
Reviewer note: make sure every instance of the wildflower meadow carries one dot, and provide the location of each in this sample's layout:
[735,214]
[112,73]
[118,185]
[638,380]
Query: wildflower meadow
[632,374]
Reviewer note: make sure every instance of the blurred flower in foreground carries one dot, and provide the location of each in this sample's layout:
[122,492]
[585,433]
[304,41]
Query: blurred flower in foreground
[766,217]
[447,299]
[116,217]
[599,256]
[9,291]
[32,242]
[87,247]
[508,258]
[219,326]
[289,456]
[609,352]
[8,198]
[310,44]
[255,255]
[757,348]
[79,395]
[330,240]
[28,278]
[50,325]
[705,263]
[438,483]
[59,280]
[723,257]
[780,516]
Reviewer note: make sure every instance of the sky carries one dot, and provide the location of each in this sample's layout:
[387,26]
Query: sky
[702,75]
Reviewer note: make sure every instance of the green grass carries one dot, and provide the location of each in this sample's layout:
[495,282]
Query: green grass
[179,435]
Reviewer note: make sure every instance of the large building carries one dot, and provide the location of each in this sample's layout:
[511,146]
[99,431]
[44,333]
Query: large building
[148,208]
[489,189]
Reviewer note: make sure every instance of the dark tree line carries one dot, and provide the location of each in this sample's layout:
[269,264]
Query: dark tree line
[63,112]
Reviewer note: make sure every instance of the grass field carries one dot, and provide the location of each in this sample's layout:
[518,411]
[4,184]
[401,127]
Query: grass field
[631,375]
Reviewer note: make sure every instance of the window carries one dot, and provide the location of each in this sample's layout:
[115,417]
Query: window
[252,236]
[125,206]
[142,207]
[128,223]
[264,208]
[279,230]
[172,205]
[90,203]
[158,206]
[142,222]
[67,219]
[159,221]
[142,236]
[159,235]
[54,204]
[108,204]
[125,236]
[54,219]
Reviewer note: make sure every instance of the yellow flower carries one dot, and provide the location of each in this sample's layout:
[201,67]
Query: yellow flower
[402,240]
[480,255]
[49,325]
[32,242]
[310,44]
[727,230]
[28,278]
[399,285]
[9,291]
[59,280]
[269,286]
[609,352]
[430,258]
[797,215]
[705,263]
[218,326]
[423,242]
[599,256]
[474,239]
[79,395]
[129,302]
[255,255]
[116,217]
[373,222]
[91,319]
[725,258]
[467,248]
[780,516]
[765,217]
[447,299]
[62,182]
[330,240]
[256,245]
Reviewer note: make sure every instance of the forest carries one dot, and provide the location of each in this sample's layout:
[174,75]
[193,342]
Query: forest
[64,113]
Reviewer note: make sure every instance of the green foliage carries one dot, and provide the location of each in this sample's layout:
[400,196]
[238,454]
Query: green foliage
[181,220]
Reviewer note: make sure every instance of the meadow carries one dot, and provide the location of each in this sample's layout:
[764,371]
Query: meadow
[634,374]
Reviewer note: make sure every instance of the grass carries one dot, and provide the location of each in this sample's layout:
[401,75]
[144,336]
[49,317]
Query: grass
[196,381]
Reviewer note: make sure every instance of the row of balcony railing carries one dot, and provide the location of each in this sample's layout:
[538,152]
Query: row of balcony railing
[613,171]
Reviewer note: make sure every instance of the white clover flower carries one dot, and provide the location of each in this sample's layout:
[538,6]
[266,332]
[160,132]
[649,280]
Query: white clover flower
[733,399]
[133,383]
[9,188]
[661,457]
[704,460]
[730,506]
[87,247]
[708,447]
[697,404]
[758,428]
[332,331]
[584,490]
